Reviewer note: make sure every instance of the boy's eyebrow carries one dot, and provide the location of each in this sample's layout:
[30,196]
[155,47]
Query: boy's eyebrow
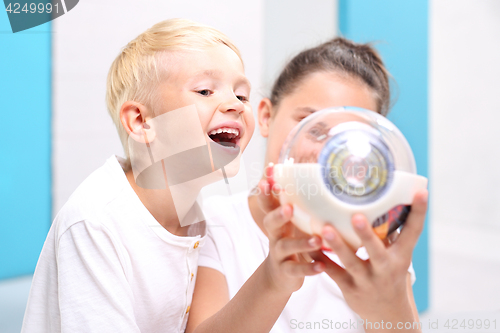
[244,81]
[205,73]
[218,73]
[209,72]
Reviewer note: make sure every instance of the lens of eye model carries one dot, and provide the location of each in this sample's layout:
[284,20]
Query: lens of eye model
[357,166]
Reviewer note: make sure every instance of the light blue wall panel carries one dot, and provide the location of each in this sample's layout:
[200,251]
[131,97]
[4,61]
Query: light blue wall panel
[25,146]
[400,30]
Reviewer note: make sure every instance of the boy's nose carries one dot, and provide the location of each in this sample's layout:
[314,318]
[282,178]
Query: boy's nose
[232,105]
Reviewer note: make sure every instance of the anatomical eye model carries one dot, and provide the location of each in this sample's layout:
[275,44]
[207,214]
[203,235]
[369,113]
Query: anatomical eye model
[342,161]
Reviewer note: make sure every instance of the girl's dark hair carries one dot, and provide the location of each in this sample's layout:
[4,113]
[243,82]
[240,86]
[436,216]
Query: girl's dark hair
[340,55]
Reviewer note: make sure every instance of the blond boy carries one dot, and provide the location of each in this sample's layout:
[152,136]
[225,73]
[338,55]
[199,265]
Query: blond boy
[117,258]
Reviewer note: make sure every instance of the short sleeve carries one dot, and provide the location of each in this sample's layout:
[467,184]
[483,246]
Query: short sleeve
[209,255]
[94,294]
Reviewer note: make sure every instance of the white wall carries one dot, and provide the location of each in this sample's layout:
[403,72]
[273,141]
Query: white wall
[88,38]
[289,26]
[293,25]
[465,154]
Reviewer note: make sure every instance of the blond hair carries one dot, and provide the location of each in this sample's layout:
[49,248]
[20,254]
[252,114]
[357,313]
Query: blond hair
[138,69]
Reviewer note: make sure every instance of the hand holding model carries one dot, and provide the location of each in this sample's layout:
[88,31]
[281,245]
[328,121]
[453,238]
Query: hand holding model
[355,166]
[287,263]
[377,289]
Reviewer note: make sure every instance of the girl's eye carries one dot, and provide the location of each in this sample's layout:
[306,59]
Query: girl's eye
[204,92]
[242,98]
[317,133]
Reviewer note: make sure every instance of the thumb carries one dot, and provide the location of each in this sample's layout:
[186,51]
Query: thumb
[267,196]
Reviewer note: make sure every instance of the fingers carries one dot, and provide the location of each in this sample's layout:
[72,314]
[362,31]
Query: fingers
[287,246]
[413,227]
[266,197]
[295,269]
[276,219]
[336,272]
[373,244]
[351,262]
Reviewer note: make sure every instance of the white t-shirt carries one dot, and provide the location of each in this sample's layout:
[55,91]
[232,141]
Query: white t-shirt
[108,266]
[236,246]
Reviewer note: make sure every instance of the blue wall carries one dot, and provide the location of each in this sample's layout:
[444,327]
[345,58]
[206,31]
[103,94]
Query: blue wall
[25,146]
[400,30]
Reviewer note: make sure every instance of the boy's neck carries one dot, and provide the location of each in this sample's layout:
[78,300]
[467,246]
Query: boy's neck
[161,205]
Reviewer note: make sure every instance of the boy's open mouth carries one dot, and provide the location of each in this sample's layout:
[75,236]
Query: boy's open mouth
[225,136]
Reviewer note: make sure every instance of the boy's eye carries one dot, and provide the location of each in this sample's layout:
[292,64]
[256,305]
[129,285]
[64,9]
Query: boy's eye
[204,92]
[242,98]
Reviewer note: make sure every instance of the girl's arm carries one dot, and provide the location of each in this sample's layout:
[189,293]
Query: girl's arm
[210,295]
[258,304]
[411,299]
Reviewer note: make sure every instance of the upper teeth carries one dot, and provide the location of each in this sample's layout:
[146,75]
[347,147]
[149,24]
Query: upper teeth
[225,130]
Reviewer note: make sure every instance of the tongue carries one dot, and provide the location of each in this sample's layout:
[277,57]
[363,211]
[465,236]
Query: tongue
[222,138]
[227,144]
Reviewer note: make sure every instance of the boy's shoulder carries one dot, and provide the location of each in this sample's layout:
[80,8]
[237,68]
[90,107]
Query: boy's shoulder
[92,198]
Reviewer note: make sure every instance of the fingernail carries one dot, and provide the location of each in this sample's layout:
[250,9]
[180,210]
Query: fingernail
[313,242]
[328,234]
[284,210]
[264,186]
[359,223]
[270,174]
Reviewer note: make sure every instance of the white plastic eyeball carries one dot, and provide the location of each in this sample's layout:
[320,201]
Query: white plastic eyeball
[342,161]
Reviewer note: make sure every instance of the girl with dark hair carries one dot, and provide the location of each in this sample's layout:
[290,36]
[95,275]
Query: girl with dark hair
[353,295]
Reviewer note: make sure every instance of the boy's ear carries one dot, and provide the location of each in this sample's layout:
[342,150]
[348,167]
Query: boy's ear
[264,115]
[133,118]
